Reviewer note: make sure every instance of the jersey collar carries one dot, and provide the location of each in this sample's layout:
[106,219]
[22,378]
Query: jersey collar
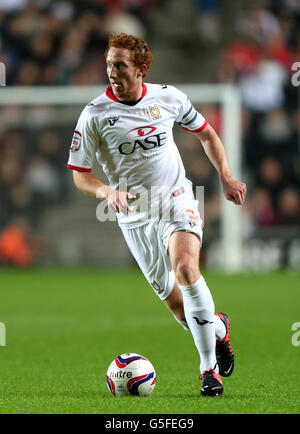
[109,93]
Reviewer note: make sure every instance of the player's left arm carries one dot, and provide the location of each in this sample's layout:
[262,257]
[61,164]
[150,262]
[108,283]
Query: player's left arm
[234,190]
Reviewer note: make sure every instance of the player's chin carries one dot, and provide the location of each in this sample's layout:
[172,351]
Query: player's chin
[118,88]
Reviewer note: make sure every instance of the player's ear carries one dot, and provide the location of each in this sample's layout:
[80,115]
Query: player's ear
[142,70]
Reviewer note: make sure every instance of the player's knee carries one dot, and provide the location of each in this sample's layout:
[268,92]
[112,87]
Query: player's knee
[186,271]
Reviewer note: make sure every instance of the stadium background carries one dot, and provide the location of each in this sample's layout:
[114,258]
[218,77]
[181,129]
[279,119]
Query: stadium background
[46,223]
[62,43]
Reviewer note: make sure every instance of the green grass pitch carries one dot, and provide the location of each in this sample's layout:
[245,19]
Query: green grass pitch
[63,328]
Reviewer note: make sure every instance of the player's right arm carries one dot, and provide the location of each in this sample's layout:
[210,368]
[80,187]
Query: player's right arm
[82,151]
[91,185]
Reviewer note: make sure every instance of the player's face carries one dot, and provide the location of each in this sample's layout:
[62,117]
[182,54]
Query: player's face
[125,78]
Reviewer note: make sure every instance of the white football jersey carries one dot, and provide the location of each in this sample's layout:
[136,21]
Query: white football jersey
[134,143]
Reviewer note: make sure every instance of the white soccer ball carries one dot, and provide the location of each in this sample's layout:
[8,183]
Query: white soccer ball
[130,374]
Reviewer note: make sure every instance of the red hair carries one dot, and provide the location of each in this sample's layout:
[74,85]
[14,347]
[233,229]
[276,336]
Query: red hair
[140,51]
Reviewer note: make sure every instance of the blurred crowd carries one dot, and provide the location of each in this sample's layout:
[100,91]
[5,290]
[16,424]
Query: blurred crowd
[47,42]
[32,179]
[62,42]
[261,61]
[259,58]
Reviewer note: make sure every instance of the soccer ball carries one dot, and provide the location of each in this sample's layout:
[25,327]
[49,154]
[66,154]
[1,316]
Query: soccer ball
[130,374]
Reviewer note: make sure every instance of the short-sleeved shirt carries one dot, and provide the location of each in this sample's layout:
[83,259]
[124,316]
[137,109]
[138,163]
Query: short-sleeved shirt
[134,144]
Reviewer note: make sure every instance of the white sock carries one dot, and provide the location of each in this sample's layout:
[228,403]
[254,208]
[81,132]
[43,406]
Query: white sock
[220,328]
[199,313]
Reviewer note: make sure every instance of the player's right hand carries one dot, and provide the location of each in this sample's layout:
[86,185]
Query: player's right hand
[117,200]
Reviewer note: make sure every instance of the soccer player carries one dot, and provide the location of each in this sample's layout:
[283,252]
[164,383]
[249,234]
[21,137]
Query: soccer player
[128,129]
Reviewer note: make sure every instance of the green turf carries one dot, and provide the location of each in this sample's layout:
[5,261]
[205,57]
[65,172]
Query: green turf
[64,327]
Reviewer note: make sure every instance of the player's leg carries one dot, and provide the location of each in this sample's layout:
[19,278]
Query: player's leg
[224,353]
[184,248]
[150,253]
[174,303]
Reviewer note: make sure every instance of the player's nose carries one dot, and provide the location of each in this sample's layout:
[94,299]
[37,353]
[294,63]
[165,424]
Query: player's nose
[113,72]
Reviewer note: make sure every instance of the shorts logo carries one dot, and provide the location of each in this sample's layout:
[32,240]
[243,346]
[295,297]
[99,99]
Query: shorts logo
[193,218]
[156,287]
[154,111]
[75,145]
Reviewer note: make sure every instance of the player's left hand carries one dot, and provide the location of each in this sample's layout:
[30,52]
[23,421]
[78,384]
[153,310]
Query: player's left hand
[234,190]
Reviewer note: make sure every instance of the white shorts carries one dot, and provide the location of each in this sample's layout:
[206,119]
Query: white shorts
[149,246]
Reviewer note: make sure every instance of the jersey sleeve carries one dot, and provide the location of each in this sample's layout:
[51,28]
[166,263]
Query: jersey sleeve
[188,117]
[84,144]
